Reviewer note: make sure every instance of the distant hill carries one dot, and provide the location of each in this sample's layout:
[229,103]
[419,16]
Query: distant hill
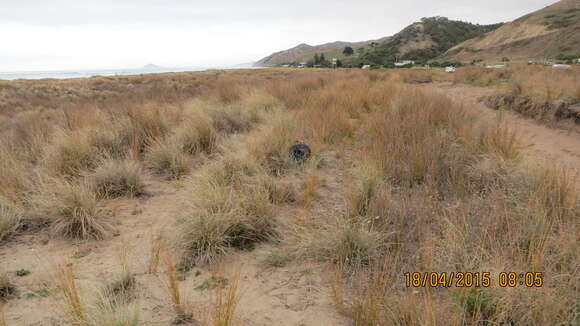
[303,52]
[421,41]
[151,66]
[547,33]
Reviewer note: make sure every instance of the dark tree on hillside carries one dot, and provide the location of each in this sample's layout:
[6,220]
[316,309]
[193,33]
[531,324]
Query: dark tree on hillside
[322,58]
[316,59]
[348,51]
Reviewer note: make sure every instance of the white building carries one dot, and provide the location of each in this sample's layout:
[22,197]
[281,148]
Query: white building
[450,69]
[404,63]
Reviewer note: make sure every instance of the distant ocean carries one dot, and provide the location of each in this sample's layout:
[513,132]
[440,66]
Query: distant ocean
[105,72]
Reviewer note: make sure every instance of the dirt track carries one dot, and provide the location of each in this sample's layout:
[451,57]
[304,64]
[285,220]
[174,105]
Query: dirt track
[552,145]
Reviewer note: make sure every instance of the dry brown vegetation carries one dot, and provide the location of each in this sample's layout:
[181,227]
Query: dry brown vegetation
[401,180]
[547,94]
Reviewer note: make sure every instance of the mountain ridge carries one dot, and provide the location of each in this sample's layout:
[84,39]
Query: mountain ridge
[540,35]
[545,33]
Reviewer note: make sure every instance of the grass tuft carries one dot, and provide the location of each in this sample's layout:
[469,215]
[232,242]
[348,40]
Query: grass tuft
[271,146]
[345,244]
[277,258]
[10,219]
[71,154]
[166,158]
[224,219]
[75,212]
[75,308]
[114,179]
[173,284]
[225,303]
[157,247]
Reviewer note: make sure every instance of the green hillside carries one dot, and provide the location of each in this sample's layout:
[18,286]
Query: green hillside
[421,41]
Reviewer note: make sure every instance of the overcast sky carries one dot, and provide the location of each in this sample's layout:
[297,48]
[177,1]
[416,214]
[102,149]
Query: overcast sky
[90,34]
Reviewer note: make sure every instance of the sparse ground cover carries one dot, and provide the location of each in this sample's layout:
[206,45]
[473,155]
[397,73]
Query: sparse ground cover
[172,199]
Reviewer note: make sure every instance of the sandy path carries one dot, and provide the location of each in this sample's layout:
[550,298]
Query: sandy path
[552,145]
[95,262]
[293,295]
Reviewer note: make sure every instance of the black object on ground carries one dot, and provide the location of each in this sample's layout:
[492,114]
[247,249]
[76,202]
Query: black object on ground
[300,152]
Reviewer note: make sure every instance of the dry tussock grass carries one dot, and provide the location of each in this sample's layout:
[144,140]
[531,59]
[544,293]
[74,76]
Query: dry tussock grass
[431,171]
[75,307]
[10,219]
[113,304]
[224,303]
[270,146]
[224,218]
[542,93]
[167,158]
[14,176]
[73,210]
[428,187]
[423,156]
[116,179]
[71,154]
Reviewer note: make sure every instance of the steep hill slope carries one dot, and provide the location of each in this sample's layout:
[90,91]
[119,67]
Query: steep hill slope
[546,33]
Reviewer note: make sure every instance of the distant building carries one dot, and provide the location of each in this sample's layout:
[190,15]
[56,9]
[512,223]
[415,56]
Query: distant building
[404,63]
[558,65]
[302,65]
[366,67]
[495,66]
[450,69]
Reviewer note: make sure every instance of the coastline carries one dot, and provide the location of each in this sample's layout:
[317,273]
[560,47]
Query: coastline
[70,74]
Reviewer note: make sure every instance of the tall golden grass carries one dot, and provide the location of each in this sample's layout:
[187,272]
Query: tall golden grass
[422,184]
[543,93]
[224,303]
[75,308]
[170,266]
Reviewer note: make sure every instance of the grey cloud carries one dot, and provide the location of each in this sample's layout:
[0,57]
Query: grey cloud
[63,12]
[202,32]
